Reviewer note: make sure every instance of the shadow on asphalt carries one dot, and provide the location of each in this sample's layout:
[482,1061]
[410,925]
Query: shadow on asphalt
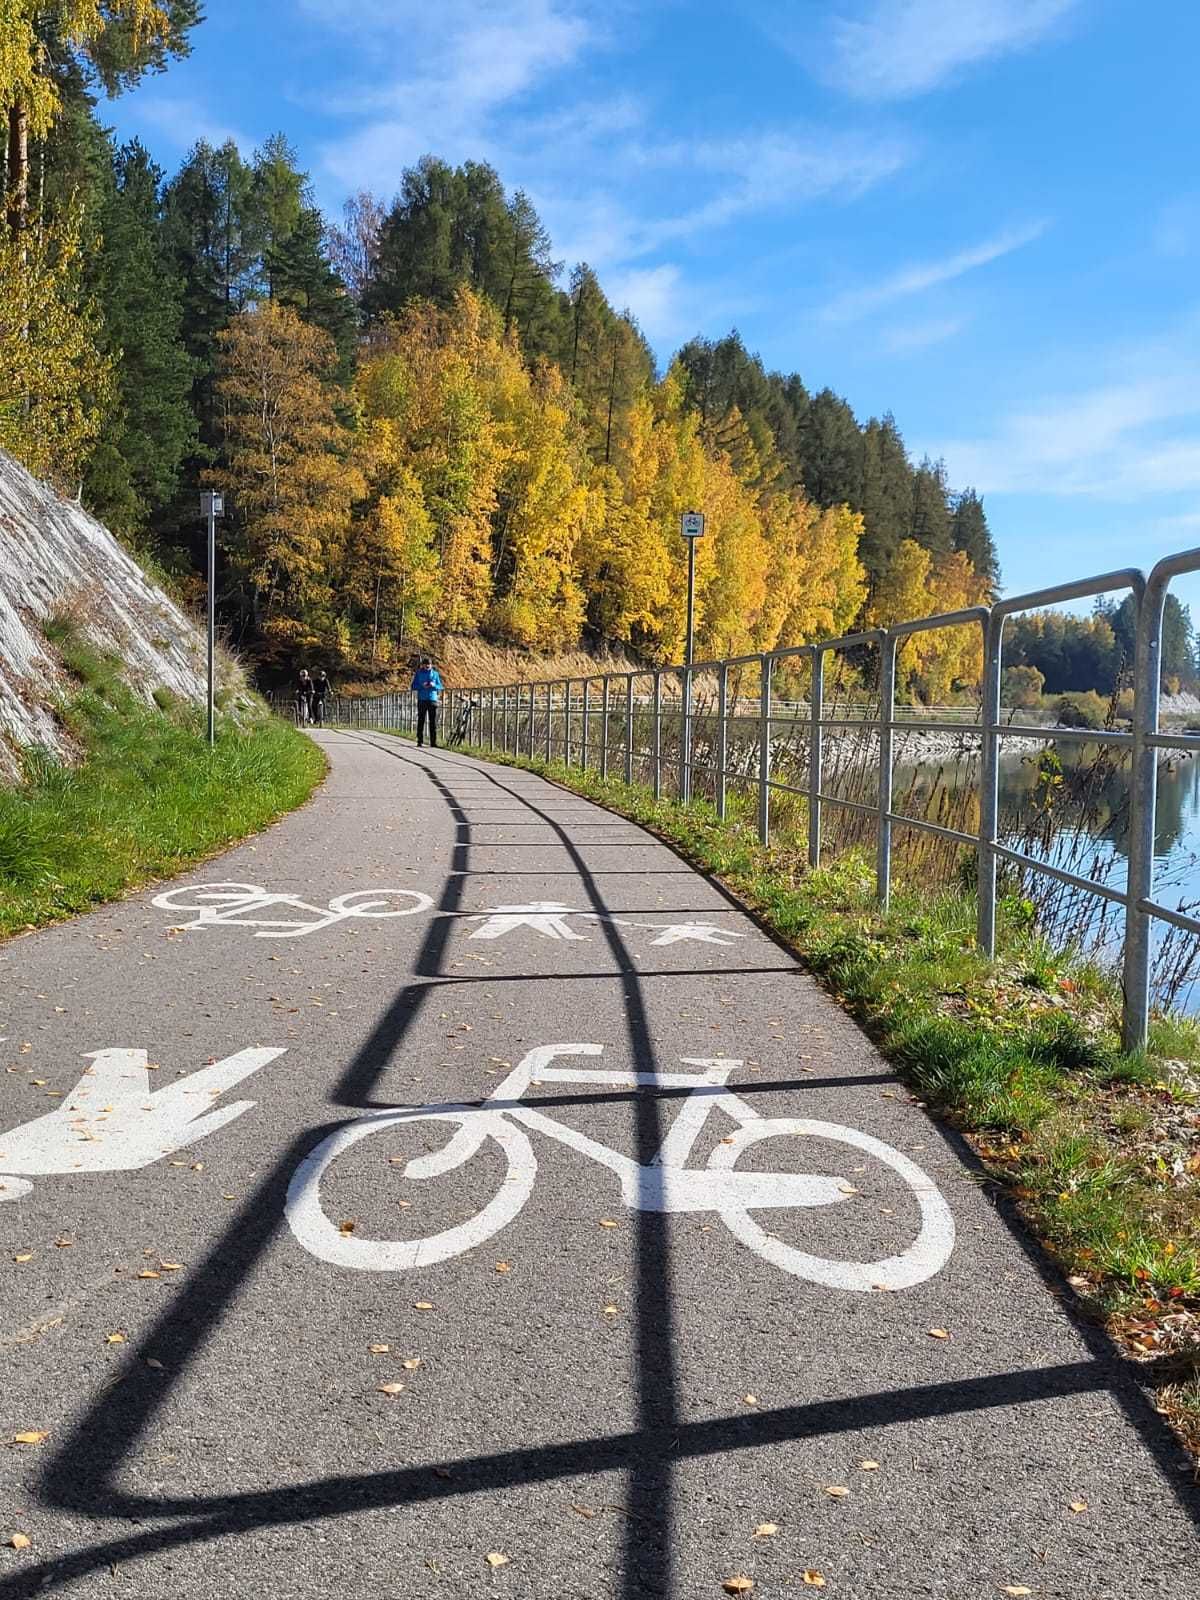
[83,1475]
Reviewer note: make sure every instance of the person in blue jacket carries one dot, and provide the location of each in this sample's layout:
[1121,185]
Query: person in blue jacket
[427,686]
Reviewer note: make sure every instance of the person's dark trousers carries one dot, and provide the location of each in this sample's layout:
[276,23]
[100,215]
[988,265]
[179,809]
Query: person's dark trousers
[427,717]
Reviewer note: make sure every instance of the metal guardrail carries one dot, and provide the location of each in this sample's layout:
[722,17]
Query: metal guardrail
[566,718]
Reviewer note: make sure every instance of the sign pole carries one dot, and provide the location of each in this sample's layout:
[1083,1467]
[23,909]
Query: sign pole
[692,528]
[213,506]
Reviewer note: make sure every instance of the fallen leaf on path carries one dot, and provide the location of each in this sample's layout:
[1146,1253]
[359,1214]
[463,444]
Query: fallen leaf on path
[149,1274]
[64,1243]
[391,1388]
[412,1364]
[1078,1506]
[738,1585]
[813,1578]
[611,1311]
[496,1559]
[938,1333]
[766,1530]
[170,1266]
[848,1188]
[155,1366]
[750,1399]
[868,1466]
[348,1226]
[28,1256]
[503,1266]
[422,1305]
[380,1349]
[607,1222]
[18,1541]
[836,1491]
[32,1436]
[1015,1588]
[585,1511]
[114,1338]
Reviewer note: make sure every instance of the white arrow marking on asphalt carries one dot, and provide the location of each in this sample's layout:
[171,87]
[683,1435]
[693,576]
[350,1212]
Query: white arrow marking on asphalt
[113,1122]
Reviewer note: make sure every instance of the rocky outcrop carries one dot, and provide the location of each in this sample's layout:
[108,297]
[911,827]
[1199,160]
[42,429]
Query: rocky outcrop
[56,560]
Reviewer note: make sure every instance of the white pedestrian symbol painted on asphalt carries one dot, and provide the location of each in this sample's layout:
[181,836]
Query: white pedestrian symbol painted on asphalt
[112,1121]
[696,932]
[664,1184]
[540,916]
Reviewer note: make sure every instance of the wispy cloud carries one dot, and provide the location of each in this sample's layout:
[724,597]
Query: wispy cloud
[895,49]
[917,336]
[920,276]
[474,62]
[183,121]
[1133,434]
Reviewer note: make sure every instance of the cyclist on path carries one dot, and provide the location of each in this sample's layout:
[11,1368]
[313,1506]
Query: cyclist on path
[427,686]
[304,693]
[321,691]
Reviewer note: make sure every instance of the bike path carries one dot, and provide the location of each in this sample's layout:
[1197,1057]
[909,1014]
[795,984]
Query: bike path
[610,1396]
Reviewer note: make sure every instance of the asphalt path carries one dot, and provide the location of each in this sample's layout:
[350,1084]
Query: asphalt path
[270,1332]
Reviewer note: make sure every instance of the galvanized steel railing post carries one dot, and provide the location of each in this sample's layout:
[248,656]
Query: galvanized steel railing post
[657,741]
[989,783]
[766,675]
[567,697]
[888,648]
[587,711]
[722,736]
[685,739]
[1143,809]
[604,731]
[816,756]
[629,728]
[549,723]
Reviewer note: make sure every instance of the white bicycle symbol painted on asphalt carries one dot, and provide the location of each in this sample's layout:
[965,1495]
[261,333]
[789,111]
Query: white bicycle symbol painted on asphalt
[241,905]
[663,1185]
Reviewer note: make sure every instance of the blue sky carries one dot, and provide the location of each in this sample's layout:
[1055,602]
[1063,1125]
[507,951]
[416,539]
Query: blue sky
[983,215]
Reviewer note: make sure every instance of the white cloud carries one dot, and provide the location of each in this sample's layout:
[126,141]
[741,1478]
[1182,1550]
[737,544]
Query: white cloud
[474,62]
[652,294]
[1132,437]
[919,277]
[894,49]
[916,336]
[184,121]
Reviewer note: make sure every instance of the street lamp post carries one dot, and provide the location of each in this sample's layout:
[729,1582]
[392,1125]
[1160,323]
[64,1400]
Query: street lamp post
[692,528]
[212,506]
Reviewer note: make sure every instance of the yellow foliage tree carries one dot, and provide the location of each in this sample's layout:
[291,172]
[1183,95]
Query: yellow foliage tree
[55,385]
[542,512]
[284,466]
[932,664]
[117,39]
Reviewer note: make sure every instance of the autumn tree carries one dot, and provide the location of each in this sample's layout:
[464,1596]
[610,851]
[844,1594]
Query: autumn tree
[111,43]
[56,386]
[284,467]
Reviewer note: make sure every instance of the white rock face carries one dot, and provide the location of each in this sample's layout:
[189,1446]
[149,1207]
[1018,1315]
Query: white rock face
[54,556]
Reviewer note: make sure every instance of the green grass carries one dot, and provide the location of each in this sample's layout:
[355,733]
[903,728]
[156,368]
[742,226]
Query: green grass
[1021,1052]
[148,799]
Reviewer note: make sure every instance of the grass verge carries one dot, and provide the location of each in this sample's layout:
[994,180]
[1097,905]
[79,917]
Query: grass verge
[148,799]
[1099,1151]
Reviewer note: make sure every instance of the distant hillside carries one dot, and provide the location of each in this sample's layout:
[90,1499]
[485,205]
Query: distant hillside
[59,566]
